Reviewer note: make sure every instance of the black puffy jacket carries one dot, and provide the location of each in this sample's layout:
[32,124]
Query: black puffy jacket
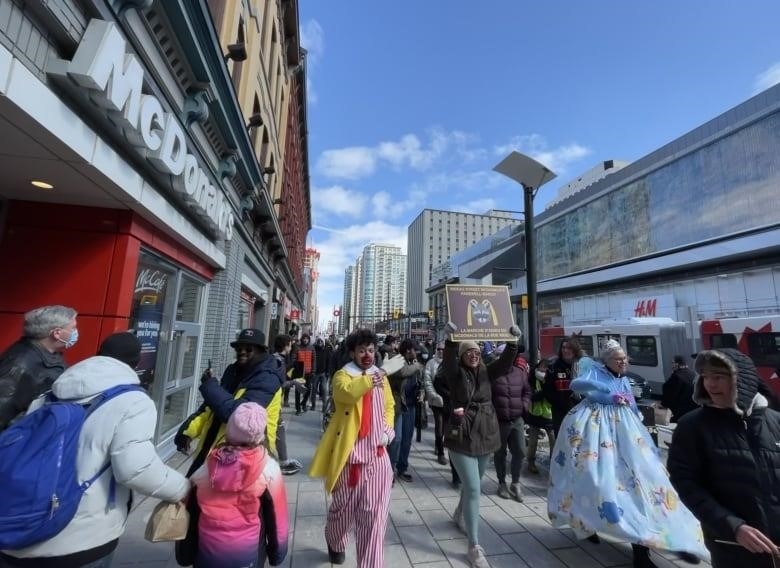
[27,370]
[725,464]
[471,391]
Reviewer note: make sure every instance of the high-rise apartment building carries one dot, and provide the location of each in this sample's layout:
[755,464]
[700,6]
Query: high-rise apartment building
[375,286]
[434,236]
[348,305]
[311,261]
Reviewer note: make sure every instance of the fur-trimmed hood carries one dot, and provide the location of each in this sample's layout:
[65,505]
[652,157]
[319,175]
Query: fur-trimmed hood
[745,380]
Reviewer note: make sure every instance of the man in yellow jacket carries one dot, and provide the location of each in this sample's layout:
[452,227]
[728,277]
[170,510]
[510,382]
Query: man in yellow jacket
[352,455]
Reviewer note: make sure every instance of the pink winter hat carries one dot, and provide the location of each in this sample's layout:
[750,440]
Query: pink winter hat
[246,426]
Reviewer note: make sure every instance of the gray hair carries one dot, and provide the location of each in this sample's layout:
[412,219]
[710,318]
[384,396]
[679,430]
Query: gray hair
[609,348]
[40,322]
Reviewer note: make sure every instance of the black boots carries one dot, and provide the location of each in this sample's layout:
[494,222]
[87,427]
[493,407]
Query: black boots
[642,557]
[336,557]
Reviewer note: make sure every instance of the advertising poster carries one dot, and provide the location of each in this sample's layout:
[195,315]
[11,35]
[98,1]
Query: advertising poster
[148,302]
[482,313]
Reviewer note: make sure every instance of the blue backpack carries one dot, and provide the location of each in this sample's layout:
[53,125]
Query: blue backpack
[39,486]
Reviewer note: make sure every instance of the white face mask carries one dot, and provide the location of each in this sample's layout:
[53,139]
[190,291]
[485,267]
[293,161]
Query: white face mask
[539,374]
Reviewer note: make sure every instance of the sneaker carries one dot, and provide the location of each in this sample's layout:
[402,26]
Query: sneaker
[532,468]
[477,557]
[290,467]
[594,538]
[405,477]
[503,491]
[298,413]
[442,460]
[516,491]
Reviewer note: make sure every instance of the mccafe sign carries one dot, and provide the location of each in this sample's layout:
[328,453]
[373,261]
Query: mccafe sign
[114,79]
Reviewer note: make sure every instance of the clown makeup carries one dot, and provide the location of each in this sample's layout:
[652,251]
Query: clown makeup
[363,355]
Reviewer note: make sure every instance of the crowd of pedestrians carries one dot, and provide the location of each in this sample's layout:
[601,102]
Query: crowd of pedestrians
[720,497]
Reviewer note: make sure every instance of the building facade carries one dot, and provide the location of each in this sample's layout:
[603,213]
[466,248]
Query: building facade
[375,286]
[311,313]
[150,210]
[269,78]
[436,235]
[348,308]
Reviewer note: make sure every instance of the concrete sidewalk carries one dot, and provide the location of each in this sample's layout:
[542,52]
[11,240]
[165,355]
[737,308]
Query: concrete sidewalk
[421,532]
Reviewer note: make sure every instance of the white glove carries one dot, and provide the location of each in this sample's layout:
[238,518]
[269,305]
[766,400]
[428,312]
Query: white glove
[449,329]
[516,331]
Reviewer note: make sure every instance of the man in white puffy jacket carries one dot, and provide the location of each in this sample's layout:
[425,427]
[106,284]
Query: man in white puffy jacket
[120,430]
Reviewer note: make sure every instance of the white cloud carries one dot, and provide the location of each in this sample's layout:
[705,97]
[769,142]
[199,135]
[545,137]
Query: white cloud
[313,41]
[557,159]
[337,200]
[347,163]
[478,206]
[381,200]
[767,78]
[407,152]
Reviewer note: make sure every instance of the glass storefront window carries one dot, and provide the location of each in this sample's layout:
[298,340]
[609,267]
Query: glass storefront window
[175,409]
[190,298]
[729,186]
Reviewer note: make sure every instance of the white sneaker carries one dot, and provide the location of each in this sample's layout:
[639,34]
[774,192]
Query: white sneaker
[477,557]
[516,491]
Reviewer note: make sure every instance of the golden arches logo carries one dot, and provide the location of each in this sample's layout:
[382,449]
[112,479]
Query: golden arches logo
[481,313]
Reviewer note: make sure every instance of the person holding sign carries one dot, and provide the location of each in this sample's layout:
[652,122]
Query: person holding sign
[471,430]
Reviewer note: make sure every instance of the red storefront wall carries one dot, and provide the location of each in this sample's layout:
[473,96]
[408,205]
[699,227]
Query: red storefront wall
[82,257]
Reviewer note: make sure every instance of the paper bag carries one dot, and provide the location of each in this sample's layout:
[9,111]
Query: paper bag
[169,522]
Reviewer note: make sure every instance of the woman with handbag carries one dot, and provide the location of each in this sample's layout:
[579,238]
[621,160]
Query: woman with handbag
[471,432]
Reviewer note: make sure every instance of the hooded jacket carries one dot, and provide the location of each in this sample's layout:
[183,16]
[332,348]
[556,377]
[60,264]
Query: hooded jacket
[230,490]
[261,384]
[725,463]
[27,370]
[121,431]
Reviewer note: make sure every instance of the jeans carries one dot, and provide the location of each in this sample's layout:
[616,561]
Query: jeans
[438,424]
[471,469]
[319,386]
[402,444]
[512,436]
[281,441]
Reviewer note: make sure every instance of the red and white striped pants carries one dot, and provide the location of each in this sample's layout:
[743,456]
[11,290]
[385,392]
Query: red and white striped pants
[361,498]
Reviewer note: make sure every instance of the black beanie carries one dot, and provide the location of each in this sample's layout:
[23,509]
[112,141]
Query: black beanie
[123,346]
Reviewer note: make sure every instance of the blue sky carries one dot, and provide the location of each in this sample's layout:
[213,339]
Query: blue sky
[412,102]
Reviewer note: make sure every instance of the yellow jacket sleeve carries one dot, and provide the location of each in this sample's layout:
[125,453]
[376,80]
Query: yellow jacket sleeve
[347,390]
[198,424]
[389,404]
[274,411]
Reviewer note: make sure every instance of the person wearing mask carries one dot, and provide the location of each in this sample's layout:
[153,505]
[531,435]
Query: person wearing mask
[406,386]
[678,389]
[724,462]
[254,377]
[29,367]
[351,456]
[307,357]
[539,418]
[606,475]
[471,432]
[512,401]
[436,402]
[119,432]
[559,376]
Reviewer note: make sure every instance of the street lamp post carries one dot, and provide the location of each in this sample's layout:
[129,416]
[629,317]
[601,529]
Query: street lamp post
[531,175]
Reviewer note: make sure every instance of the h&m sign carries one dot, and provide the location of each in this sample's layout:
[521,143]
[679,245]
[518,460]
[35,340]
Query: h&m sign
[114,79]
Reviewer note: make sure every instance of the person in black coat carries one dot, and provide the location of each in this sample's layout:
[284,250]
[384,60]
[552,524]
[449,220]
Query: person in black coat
[724,462]
[678,389]
[30,366]
[559,375]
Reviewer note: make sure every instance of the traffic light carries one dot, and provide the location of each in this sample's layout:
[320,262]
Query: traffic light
[396,314]
[430,314]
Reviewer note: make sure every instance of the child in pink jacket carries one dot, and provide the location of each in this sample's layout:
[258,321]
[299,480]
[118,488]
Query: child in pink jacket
[241,498]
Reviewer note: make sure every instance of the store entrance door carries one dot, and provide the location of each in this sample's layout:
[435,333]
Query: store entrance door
[181,379]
